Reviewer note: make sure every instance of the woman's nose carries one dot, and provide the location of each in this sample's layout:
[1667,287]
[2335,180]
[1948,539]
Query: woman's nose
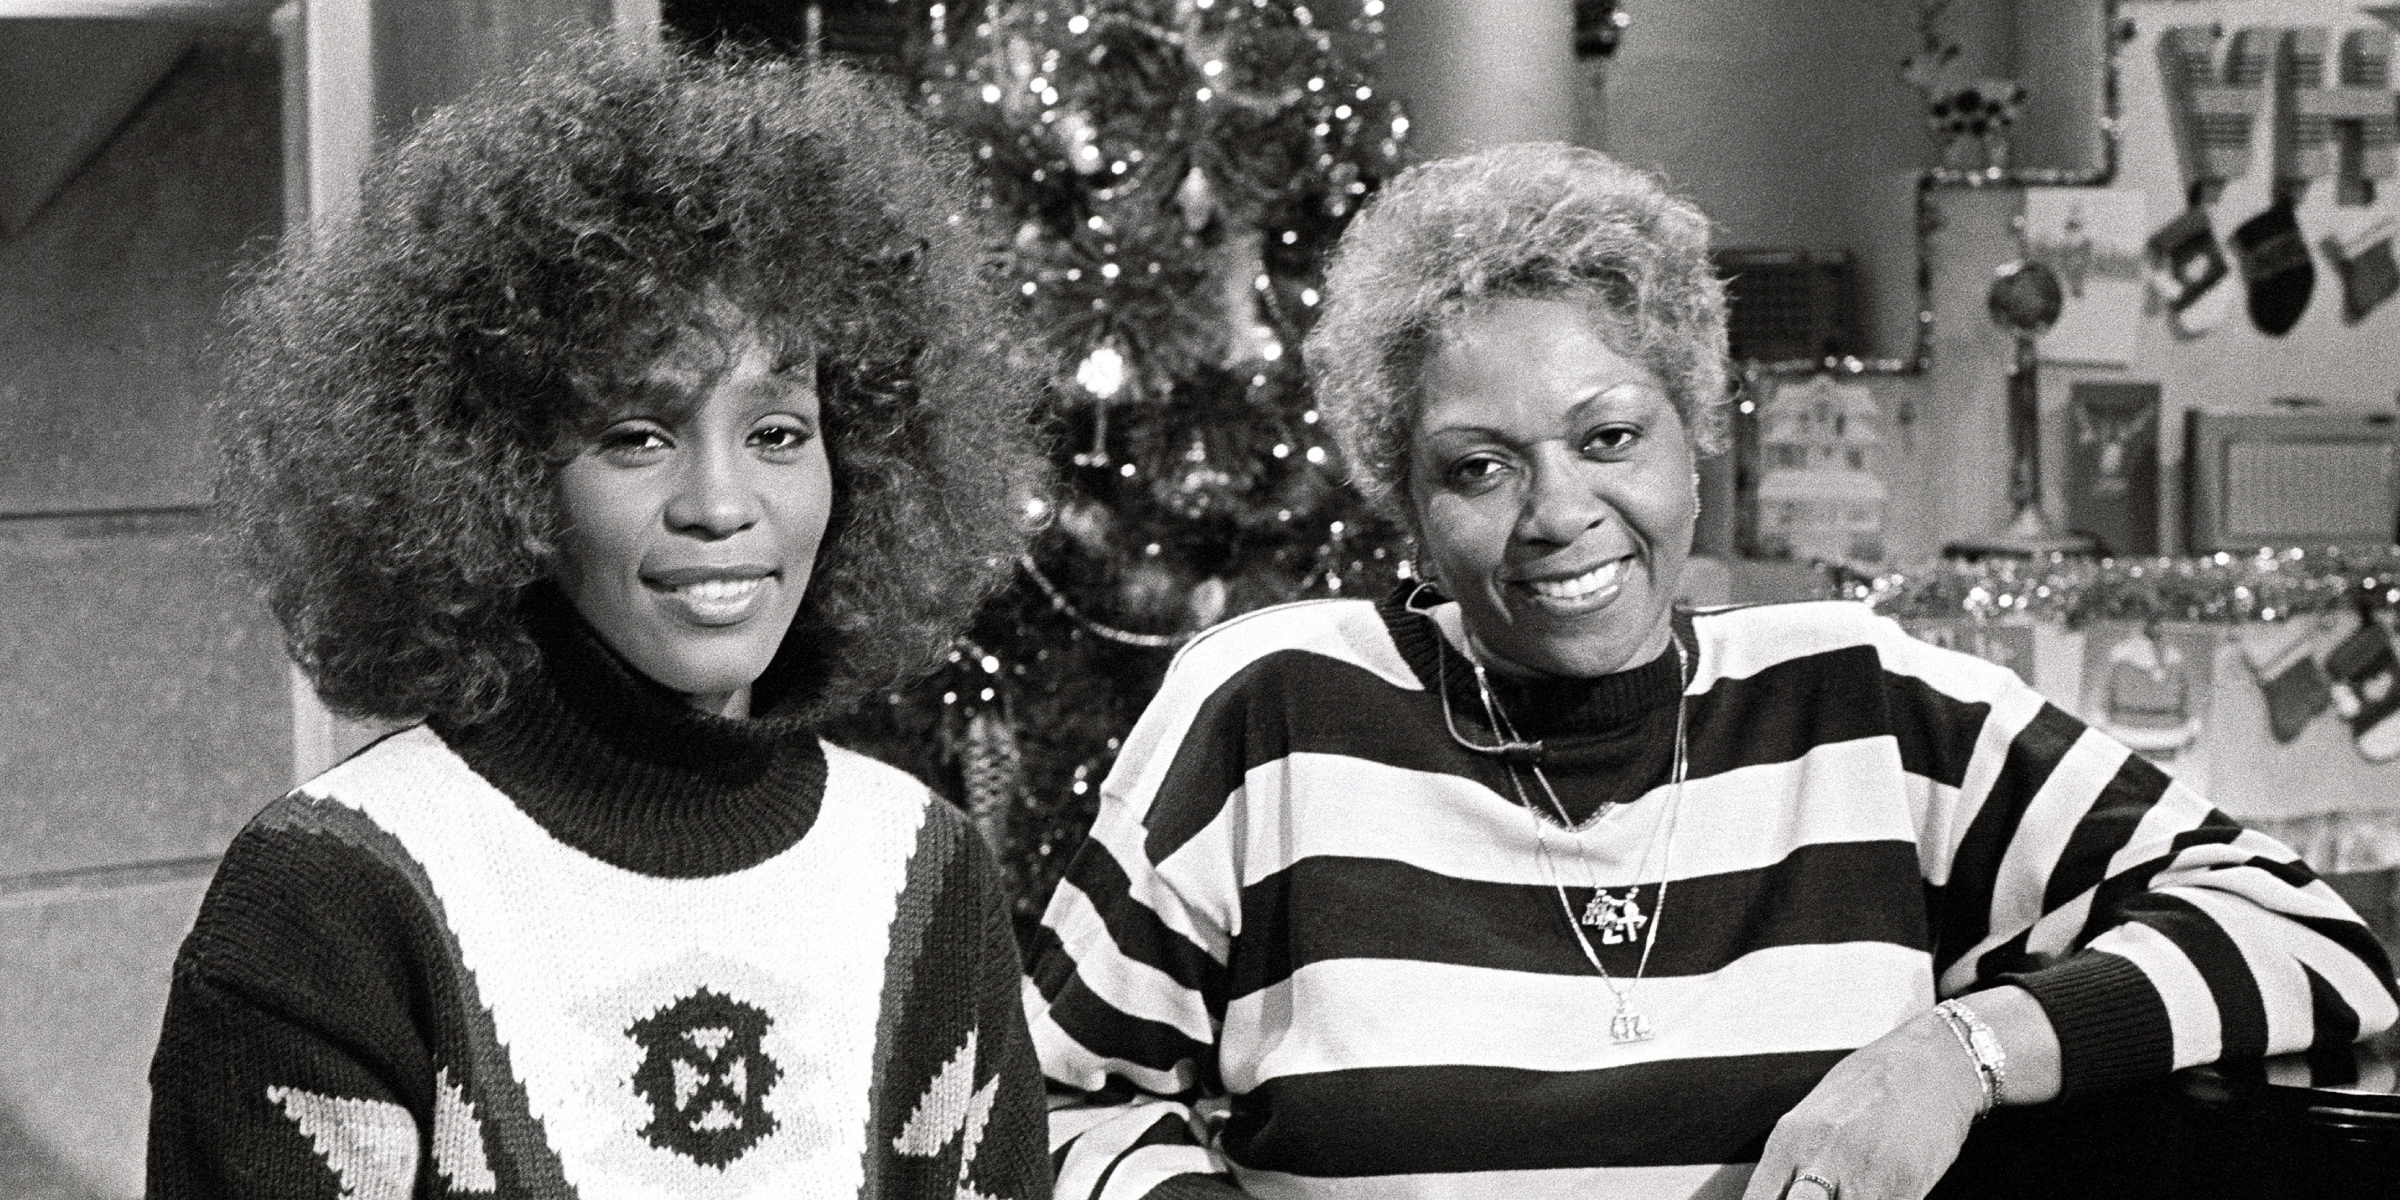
[712,496]
[1560,503]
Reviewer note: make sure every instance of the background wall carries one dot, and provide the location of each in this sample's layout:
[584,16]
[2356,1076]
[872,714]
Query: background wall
[144,710]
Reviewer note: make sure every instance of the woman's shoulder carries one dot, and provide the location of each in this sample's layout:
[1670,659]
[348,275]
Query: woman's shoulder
[311,886]
[1743,641]
[1747,638]
[1347,631]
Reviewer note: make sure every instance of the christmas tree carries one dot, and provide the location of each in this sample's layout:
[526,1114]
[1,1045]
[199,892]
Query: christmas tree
[1174,172]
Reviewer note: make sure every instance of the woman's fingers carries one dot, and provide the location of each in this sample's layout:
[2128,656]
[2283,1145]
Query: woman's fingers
[1883,1124]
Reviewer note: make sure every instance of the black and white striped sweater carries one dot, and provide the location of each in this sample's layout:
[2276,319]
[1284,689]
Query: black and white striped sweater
[601,946]
[1312,948]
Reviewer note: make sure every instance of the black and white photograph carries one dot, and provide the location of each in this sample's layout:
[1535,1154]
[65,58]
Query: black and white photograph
[1168,599]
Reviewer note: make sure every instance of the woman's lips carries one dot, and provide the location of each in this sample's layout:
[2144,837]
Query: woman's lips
[1584,593]
[712,599]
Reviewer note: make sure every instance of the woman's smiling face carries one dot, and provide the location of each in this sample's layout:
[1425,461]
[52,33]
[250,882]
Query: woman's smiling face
[694,515]
[1552,483]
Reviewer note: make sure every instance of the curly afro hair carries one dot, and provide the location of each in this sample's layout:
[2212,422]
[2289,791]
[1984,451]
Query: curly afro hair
[403,388]
[1537,221]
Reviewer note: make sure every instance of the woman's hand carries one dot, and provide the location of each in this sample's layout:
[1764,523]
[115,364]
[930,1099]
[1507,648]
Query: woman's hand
[1886,1122]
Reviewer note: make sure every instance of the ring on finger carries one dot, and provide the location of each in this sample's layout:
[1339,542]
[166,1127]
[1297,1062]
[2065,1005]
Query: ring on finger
[1824,1186]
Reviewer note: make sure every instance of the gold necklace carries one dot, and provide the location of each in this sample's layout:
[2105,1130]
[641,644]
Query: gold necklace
[1620,918]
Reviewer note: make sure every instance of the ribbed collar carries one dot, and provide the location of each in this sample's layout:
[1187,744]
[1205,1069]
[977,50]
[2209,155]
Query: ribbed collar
[1623,721]
[620,768]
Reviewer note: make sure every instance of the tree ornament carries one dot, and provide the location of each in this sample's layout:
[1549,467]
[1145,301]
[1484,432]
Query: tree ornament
[1148,592]
[992,773]
[1081,140]
[1207,603]
[1196,200]
[1102,372]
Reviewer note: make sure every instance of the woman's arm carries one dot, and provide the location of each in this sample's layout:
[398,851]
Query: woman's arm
[1120,1007]
[2102,920]
[288,1063]
[247,1103]
[1128,988]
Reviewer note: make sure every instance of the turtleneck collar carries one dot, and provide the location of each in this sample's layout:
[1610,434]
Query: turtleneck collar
[1605,740]
[1551,707]
[615,765]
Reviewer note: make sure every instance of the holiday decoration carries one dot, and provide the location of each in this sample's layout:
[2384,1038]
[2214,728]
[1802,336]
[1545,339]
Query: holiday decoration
[1820,497]
[2275,268]
[2364,261]
[2112,465]
[1968,118]
[2223,589]
[1173,172]
[2286,659]
[2215,110]
[2148,684]
[2092,237]
[2365,682]
[2185,259]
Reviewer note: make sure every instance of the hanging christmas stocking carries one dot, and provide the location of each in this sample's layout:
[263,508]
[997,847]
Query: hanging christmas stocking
[2369,275]
[2283,658]
[2365,682]
[2185,261]
[2275,268]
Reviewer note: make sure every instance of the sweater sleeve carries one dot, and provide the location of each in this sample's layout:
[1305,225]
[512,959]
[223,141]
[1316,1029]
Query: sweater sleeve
[2156,932]
[1128,986]
[282,1063]
[1012,1158]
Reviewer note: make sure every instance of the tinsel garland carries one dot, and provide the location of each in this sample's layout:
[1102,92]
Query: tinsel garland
[2271,585]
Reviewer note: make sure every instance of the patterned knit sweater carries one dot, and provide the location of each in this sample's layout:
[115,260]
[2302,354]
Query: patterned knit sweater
[1313,949]
[601,946]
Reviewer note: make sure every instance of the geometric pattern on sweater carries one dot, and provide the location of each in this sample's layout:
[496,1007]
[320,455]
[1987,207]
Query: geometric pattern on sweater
[369,1145]
[759,1083]
[458,1140]
[1305,910]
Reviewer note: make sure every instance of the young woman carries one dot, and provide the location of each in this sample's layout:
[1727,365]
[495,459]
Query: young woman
[651,412]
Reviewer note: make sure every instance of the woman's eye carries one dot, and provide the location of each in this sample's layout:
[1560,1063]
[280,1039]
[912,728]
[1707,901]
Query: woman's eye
[1475,473]
[632,445]
[1611,439]
[780,441]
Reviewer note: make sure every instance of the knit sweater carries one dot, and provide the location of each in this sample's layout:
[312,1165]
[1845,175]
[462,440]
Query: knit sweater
[1316,948]
[599,946]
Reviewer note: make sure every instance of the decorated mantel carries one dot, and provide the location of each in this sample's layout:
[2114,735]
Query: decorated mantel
[2266,681]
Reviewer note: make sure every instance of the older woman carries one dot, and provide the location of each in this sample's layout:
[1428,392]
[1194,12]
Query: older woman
[649,414]
[1524,883]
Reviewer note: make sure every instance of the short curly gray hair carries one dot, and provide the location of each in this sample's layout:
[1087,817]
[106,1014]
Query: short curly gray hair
[1535,220]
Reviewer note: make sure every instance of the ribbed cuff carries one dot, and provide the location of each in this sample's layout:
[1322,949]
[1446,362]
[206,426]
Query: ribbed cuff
[2111,1023]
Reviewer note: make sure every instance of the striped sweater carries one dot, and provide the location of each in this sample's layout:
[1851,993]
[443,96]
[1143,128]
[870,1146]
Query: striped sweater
[1312,948]
[601,946]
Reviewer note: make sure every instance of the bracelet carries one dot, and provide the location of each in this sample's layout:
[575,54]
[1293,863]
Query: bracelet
[1982,1045]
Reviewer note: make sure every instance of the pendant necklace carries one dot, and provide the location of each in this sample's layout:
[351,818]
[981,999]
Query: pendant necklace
[1619,918]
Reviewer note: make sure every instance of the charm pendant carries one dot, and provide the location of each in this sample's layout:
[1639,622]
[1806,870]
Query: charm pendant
[1618,918]
[1628,1025]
